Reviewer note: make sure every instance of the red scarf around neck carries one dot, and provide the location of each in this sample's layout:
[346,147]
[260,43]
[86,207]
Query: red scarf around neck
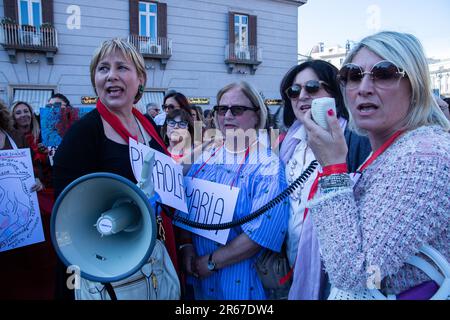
[117,125]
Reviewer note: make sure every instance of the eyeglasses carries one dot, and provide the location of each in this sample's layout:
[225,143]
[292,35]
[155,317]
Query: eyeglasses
[235,110]
[181,124]
[168,107]
[311,87]
[384,74]
[53,105]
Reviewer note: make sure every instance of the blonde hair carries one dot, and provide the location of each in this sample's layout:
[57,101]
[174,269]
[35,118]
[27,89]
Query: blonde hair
[406,51]
[128,51]
[35,130]
[252,94]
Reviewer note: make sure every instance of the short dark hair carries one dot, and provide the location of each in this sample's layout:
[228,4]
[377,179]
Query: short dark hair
[326,72]
[62,97]
[184,115]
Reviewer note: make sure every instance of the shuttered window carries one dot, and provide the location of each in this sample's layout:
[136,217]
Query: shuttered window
[37,98]
[148,18]
[242,29]
[29,12]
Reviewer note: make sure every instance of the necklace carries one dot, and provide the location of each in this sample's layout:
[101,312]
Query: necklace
[139,127]
[240,151]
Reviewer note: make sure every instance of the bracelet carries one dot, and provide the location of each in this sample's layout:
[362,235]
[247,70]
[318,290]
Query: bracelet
[335,181]
[334,169]
[185,245]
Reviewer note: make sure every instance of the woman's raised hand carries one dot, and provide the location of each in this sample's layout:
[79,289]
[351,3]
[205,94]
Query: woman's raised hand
[329,146]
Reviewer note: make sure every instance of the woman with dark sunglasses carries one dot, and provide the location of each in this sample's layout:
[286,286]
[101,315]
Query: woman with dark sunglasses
[227,272]
[172,100]
[300,86]
[402,199]
[178,133]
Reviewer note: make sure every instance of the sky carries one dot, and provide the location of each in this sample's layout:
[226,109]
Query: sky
[336,21]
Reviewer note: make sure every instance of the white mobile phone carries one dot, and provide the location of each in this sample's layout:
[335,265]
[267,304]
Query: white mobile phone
[319,109]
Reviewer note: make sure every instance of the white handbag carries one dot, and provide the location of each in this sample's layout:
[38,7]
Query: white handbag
[442,278]
[156,280]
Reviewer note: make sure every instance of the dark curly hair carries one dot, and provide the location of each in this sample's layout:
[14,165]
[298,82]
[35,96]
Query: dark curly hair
[326,72]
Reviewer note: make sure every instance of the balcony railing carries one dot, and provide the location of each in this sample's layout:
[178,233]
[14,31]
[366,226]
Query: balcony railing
[15,37]
[159,48]
[23,37]
[244,55]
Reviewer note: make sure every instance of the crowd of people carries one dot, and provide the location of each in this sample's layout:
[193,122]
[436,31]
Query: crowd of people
[379,192]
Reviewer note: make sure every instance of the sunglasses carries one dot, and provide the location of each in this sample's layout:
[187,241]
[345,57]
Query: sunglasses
[54,105]
[181,124]
[168,107]
[235,110]
[384,74]
[311,87]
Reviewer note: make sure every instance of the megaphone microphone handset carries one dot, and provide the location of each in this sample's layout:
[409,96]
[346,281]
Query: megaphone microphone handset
[123,216]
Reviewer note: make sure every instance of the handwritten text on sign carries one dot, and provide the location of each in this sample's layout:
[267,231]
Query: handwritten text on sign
[20,219]
[209,203]
[167,175]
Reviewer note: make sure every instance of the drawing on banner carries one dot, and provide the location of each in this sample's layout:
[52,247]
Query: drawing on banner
[20,219]
[55,122]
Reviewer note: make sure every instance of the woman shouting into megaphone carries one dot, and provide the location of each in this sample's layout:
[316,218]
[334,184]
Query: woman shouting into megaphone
[99,141]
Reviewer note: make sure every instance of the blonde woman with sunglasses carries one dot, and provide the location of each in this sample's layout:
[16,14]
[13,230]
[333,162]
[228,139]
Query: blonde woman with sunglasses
[227,272]
[369,228]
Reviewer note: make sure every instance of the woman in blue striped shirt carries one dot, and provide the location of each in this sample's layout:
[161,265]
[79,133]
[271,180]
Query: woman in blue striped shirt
[241,159]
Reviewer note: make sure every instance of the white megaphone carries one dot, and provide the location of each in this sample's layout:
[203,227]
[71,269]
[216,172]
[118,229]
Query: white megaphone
[105,225]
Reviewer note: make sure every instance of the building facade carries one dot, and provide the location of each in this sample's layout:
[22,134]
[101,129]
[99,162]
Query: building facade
[440,76]
[194,47]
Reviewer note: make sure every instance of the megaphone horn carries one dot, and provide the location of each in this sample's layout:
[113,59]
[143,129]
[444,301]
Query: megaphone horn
[105,225]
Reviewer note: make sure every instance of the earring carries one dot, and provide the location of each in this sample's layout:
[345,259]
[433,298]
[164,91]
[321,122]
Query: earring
[141,88]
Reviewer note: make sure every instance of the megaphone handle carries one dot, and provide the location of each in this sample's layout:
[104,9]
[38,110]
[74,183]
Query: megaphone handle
[109,288]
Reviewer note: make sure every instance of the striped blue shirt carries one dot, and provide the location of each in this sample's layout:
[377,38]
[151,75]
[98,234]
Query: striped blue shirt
[260,179]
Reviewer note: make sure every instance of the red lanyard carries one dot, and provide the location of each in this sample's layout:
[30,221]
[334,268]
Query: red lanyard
[247,152]
[366,163]
[240,166]
[204,163]
[380,150]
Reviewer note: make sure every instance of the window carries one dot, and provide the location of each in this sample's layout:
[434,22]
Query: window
[240,30]
[37,98]
[30,12]
[148,20]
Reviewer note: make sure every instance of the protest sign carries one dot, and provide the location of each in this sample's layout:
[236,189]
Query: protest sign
[167,176]
[209,203]
[20,218]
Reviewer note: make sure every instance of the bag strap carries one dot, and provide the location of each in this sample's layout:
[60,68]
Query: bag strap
[109,288]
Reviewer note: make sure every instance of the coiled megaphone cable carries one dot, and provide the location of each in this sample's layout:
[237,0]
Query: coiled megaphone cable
[228,225]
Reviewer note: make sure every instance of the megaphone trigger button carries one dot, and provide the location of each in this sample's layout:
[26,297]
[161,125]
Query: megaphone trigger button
[99,257]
